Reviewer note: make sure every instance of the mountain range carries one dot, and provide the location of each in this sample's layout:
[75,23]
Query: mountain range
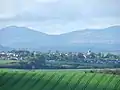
[106,39]
[4,48]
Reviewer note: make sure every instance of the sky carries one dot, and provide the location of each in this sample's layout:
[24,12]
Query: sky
[59,16]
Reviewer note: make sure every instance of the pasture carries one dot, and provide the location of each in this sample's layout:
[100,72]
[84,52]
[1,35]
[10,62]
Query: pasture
[7,62]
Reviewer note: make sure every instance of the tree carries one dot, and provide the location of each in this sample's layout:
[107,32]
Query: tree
[93,55]
[38,61]
[81,56]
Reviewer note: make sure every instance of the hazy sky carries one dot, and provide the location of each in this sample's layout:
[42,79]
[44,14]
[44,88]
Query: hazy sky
[59,16]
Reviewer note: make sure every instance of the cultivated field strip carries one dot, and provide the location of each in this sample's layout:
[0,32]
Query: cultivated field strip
[39,82]
[58,81]
[36,82]
[2,75]
[89,80]
[21,82]
[55,80]
[104,82]
[66,86]
[84,81]
[9,79]
[14,80]
[48,81]
[115,80]
[5,80]
[33,81]
[78,81]
[109,81]
[27,81]
[117,85]
[63,82]
[99,80]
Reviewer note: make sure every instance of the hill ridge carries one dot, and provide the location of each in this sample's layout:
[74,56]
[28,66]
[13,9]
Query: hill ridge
[102,39]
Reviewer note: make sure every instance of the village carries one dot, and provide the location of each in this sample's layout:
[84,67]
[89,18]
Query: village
[59,58]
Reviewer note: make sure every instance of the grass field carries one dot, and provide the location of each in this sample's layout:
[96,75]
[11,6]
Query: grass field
[57,80]
[6,62]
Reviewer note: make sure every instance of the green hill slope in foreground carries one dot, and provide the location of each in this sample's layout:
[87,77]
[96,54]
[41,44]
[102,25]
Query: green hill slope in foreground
[57,80]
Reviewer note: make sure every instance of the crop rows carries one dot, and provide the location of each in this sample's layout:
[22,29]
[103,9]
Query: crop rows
[109,81]
[27,81]
[37,80]
[117,85]
[4,81]
[42,80]
[57,83]
[51,77]
[68,82]
[88,81]
[77,83]
[99,81]
[17,80]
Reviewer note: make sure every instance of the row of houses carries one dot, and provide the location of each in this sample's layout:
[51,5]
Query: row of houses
[9,56]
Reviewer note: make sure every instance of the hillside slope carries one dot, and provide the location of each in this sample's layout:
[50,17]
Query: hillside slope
[57,80]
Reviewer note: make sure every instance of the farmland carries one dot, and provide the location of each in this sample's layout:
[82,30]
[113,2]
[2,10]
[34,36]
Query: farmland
[11,79]
[6,62]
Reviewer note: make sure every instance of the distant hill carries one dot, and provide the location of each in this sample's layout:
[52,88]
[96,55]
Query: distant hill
[21,37]
[1,46]
[81,40]
[96,39]
[4,48]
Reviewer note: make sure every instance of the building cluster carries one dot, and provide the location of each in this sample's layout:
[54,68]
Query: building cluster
[9,56]
[76,57]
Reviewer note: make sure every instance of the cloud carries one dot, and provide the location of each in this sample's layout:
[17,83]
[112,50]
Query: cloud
[61,15]
[46,1]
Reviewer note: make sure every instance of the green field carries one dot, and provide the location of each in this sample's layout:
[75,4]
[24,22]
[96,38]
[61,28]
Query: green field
[7,62]
[57,80]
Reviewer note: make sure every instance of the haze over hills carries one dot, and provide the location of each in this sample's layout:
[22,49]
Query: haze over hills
[4,48]
[1,47]
[97,40]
